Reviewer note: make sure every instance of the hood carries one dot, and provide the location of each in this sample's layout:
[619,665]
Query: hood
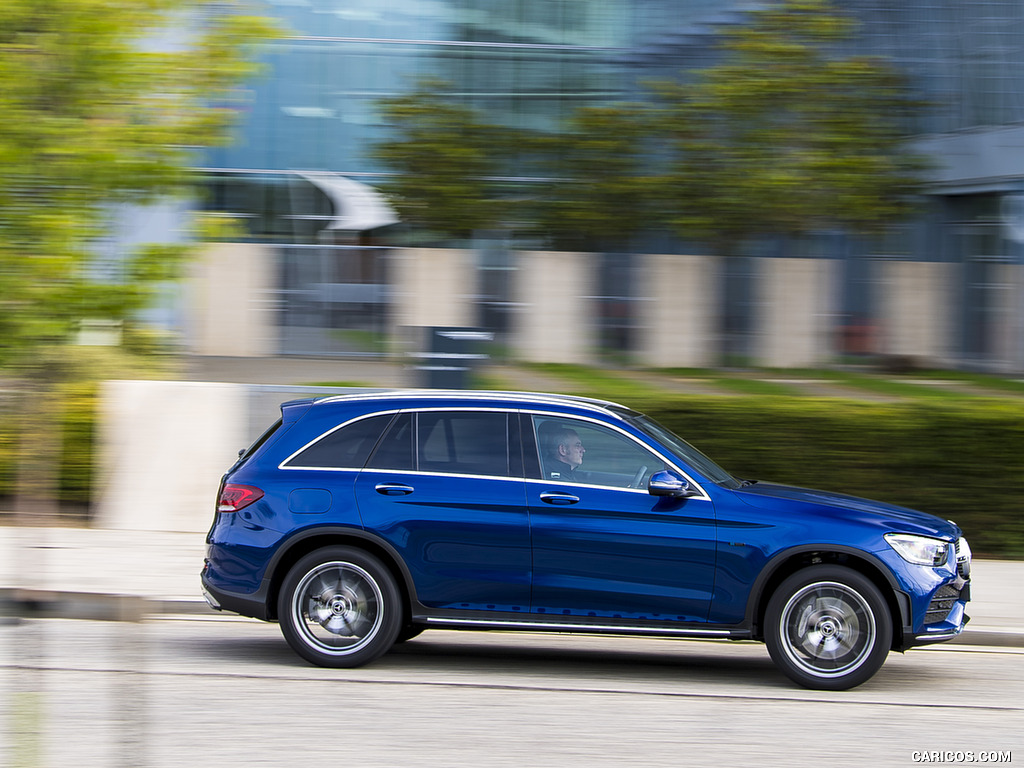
[888,516]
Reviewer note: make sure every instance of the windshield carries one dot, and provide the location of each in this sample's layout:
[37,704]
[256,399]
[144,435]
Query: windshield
[682,449]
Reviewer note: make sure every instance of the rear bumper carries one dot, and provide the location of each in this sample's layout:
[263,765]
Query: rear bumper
[252,604]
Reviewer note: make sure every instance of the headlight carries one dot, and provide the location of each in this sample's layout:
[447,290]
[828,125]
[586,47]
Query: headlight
[919,550]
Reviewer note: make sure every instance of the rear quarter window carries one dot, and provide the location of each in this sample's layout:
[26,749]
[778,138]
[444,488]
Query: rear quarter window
[345,447]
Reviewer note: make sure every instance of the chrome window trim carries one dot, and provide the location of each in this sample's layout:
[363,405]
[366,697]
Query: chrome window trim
[644,491]
[703,495]
[331,431]
[431,409]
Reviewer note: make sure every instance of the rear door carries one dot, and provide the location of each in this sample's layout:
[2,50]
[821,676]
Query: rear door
[444,488]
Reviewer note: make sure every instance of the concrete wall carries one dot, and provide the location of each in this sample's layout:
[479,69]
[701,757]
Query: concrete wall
[677,305]
[917,310]
[1008,343]
[231,293]
[163,448]
[796,309]
[556,320]
[433,286]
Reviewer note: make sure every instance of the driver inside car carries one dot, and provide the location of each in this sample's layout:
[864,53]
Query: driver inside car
[564,455]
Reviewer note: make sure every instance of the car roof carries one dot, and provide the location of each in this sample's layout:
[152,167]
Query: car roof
[464,397]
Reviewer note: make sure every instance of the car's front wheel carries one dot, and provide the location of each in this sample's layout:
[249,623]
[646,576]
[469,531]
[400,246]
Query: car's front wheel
[828,627]
[339,607]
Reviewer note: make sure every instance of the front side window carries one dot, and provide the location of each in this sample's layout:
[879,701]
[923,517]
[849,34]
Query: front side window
[576,451]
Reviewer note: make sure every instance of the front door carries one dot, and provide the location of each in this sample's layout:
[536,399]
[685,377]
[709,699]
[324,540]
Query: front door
[602,545]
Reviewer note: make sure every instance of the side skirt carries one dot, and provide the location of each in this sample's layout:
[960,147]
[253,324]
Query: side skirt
[522,625]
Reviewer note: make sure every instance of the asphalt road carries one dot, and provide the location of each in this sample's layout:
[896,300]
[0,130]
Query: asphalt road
[222,691]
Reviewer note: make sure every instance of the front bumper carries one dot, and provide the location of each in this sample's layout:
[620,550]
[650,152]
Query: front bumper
[946,616]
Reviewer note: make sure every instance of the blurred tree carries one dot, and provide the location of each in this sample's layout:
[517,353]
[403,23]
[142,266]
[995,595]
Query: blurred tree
[600,193]
[447,161]
[787,135]
[103,102]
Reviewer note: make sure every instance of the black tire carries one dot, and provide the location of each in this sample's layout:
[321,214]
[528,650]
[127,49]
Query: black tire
[339,607]
[828,627]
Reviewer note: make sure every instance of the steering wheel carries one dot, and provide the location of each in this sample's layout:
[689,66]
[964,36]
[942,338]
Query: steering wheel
[638,477]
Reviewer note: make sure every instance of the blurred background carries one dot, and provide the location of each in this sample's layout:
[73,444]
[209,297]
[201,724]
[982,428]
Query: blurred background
[791,230]
[660,202]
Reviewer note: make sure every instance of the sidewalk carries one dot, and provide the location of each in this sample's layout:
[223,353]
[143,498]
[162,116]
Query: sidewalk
[78,571]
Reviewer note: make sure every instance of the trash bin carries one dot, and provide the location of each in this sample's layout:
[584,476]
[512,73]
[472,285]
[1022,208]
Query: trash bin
[449,355]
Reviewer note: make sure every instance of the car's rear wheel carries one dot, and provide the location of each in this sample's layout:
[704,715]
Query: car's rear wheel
[339,607]
[828,627]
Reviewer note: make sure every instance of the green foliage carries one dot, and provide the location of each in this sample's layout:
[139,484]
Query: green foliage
[77,456]
[446,158]
[104,102]
[957,461]
[73,397]
[601,192]
[76,465]
[785,135]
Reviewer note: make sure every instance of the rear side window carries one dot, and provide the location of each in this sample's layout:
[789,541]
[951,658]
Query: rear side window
[345,448]
[451,442]
[468,443]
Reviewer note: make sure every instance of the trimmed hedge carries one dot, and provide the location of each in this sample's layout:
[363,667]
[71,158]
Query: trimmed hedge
[78,418]
[960,461]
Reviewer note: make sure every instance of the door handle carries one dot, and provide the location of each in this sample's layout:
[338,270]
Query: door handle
[393,489]
[559,499]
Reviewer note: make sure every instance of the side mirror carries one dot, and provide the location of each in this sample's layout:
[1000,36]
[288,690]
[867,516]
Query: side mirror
[666,483]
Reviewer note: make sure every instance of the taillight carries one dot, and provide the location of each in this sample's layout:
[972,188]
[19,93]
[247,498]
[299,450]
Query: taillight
[235,497]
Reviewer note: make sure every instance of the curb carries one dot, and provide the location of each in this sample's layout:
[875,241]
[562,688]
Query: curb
[991,637]
[17,603]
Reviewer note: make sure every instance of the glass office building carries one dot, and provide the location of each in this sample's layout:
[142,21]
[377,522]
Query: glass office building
[530,63]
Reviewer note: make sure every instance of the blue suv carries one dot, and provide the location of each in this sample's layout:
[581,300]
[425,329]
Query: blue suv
[358,521]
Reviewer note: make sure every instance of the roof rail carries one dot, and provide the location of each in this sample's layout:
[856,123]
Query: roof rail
[476,394]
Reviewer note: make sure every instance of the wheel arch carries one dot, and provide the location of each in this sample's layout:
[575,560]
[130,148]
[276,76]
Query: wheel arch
[309,540]
[785,564]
